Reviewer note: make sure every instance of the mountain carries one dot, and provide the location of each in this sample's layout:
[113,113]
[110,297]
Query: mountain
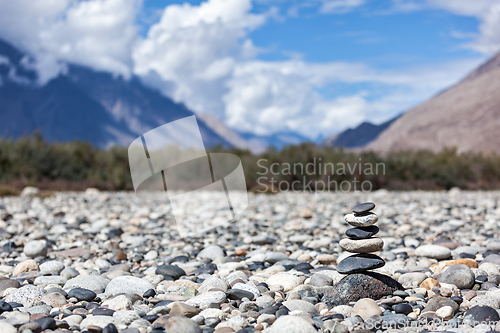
[359,136]
[466,116]
[233,138]
[259,143]
[83,104]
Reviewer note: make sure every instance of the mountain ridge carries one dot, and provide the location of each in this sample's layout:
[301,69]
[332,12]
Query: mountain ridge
[465,116]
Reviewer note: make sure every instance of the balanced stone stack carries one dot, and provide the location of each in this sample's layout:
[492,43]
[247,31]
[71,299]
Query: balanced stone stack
[361,240]
[359,281]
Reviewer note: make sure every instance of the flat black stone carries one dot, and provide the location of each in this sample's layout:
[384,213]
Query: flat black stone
[150,318]
[170,270]
[236,294]
[362,232]
[82,294]
[360,263]
[303,266]
[163,303]
[403,308]
[363,207]
[47,323]
[354,287]
[103,312]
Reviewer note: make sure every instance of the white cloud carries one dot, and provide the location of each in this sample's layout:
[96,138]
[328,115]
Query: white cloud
[196,49]
[339,6]
[95,33]
[266,97]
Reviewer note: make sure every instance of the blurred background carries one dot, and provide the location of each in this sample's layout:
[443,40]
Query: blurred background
[412,84]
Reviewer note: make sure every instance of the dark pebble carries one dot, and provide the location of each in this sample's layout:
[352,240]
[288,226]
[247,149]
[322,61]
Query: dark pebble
[478,314]
[363,207]
[481,279]
[209,268]
[170,270]
[82,294]
[236,294]
[103,312]
[109,328]
[71,308]
[282,312]
[303,266]
[5,307]
[403,308]
[467,255]
[163,303]
[16,305]
[181,259]
[149,293]
[47,323]
[114,233]
[256,265]
[457,299]
[150,318]
[362,232]
[360,263]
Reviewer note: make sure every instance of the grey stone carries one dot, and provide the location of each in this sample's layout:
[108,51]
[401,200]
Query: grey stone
[211,252]
[42,280]
[36,248]
[204,300]
[459,275]
[292,324]
[51,267]
[128,285]
[90,282]
[321,280]
[301,305]
[26,295]
[433,251]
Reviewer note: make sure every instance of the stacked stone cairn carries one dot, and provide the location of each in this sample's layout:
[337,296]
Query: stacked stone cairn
[361,241]
[360,282]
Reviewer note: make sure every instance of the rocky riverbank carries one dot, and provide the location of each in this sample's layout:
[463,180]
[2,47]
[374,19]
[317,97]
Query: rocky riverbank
[113,262]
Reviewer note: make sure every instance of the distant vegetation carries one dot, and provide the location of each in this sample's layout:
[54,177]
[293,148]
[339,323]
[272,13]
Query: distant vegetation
[79,165]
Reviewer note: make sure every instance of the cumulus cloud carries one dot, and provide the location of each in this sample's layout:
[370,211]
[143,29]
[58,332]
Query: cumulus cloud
[95,33]
[196,48]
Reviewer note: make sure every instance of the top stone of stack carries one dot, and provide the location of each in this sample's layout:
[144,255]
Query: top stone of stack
[361,215]
[363,207]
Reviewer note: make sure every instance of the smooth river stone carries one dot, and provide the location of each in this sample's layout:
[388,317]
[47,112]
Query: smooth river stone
[360,263]
[363,207]
[354,287]
[368,245]
[362,232]
[361,220]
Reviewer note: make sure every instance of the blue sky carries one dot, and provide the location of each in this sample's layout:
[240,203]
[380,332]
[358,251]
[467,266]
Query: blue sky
[315,67]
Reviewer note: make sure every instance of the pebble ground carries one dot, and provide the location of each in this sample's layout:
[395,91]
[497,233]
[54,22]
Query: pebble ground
[114,262]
